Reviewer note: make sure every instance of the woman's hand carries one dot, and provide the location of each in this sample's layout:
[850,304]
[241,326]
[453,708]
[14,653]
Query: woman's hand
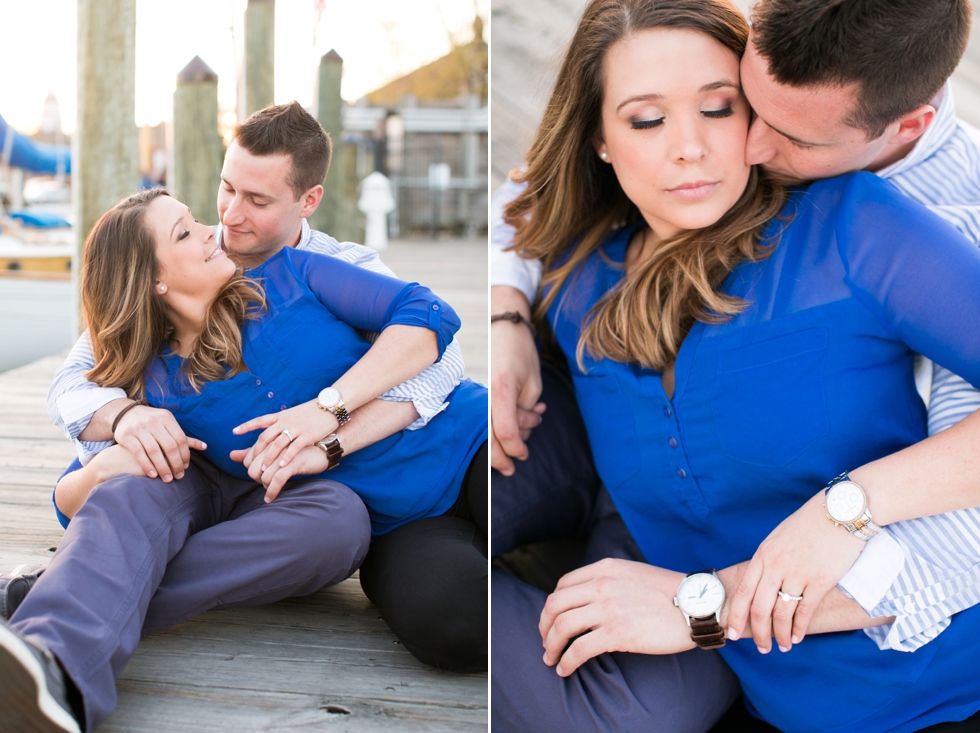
[805,555]
[612,606]
[116,460]
[72,490]
[286,433]
[307,461]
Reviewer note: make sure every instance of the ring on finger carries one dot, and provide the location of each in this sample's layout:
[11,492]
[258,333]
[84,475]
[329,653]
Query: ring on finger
[286,433]
[787,597]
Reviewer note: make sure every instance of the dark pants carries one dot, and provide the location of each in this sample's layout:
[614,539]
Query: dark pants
[555,494]
[428,579]
[141,555]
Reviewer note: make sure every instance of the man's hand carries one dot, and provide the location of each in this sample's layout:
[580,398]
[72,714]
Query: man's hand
[515,381]
[156,441]
[612,606]
[805,555]
[307,461]
[285,435]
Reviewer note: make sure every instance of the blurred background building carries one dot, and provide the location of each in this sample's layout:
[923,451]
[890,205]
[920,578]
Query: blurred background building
[428,133]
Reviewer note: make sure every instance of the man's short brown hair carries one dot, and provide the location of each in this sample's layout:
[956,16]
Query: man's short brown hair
[288,129]
[899,53]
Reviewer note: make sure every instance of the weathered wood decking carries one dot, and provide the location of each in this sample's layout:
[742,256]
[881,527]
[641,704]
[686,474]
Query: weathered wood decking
[324,662]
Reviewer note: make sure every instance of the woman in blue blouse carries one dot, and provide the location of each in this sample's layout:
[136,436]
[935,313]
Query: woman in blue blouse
[734,346]
[237,347]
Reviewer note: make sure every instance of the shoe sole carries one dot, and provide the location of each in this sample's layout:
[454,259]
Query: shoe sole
[25,702]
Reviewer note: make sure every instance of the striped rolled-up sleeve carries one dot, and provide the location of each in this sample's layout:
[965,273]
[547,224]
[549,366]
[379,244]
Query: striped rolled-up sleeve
[428,390]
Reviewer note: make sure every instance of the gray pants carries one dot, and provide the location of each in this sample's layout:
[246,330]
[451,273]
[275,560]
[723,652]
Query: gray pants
[142,555]
[554,494]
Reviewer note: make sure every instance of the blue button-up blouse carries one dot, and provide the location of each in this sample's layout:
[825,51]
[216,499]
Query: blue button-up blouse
[813,378]
[306,340]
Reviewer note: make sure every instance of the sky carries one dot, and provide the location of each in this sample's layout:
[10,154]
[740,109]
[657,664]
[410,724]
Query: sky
[379,40]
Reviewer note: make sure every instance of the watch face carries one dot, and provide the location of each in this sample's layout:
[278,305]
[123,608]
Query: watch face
[700,595]
[329,397]
[845,502]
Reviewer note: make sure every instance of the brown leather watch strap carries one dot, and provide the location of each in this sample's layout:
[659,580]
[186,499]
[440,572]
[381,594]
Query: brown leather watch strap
[334,450]
[707,632]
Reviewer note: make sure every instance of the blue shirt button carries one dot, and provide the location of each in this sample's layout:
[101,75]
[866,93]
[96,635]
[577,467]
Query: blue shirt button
[666,411]
[282,407]
[672,442]
[435,306]
[682,473]
[258,382]
[271,395]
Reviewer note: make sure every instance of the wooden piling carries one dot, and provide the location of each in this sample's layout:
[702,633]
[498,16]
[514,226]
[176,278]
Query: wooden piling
[198,148]
[260,31]
[104,168]
[337,214]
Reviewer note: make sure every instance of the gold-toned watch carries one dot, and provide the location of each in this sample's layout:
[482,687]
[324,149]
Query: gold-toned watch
[334,450]
[847,506]
[330,400]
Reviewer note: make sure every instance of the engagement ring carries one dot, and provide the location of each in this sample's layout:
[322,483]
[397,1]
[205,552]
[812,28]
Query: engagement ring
[787,597]
[286,433]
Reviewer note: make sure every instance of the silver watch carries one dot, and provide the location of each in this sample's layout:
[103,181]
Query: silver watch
[700,598]
[847,507]
[330,400]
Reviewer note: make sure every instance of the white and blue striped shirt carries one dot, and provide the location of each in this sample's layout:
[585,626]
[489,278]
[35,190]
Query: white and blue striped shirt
[925,570]
[72,399]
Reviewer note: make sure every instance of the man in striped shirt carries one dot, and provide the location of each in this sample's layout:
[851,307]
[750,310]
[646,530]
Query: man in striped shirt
[808,95]
[265,195]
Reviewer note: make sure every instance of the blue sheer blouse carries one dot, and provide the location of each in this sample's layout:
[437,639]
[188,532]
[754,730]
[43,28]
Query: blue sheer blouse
[813,378]
[306,340]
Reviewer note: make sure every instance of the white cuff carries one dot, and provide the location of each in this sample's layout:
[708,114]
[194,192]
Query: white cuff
[77,407]
[87,450]
[427,409]
[509,268]
[875,570]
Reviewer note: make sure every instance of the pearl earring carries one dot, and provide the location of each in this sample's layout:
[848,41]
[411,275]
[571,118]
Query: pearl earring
[163,288]
[604,156]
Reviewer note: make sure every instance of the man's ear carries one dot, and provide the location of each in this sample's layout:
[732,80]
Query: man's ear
[311,199]
[912,125]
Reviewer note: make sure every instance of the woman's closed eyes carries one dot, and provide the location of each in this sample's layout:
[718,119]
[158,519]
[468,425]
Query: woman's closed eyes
[714,114]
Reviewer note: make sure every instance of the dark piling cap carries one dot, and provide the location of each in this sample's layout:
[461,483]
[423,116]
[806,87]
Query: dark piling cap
[196,72]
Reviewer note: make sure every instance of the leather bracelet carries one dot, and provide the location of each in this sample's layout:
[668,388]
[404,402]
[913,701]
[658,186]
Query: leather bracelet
[514,317]
[119,416]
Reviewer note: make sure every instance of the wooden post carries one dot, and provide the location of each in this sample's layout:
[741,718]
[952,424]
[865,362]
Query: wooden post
[198,148]
[260,31]
[104,168]
[337,214]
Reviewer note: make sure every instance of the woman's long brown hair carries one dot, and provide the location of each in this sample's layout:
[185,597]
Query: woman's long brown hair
[573,201]
[126,319]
